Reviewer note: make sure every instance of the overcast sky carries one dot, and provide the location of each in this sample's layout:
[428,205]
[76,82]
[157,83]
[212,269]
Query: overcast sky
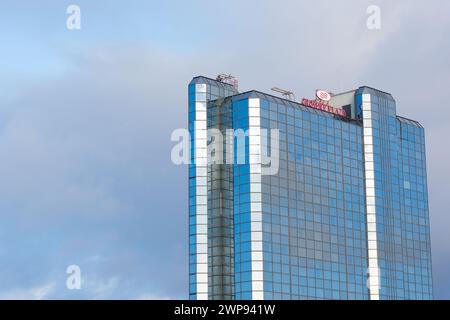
[86,117]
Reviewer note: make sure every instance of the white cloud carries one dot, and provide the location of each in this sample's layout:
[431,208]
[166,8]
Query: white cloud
[36,293]
[99,288]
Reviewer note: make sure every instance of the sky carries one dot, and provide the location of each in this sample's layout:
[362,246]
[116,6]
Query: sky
[86,116]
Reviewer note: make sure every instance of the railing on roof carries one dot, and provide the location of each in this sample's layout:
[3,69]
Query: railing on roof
[229,79]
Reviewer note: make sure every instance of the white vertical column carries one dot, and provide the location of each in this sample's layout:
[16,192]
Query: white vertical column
[374,271]
[201,162]
[255,199]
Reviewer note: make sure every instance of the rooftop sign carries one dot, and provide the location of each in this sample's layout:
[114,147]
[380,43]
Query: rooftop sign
[324,107]
[323,95]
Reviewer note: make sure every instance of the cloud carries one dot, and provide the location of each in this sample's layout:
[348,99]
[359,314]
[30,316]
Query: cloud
[37,293]
[99,289]
[88,158]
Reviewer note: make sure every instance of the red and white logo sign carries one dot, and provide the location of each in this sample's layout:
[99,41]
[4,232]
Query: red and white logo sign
[324,107]
[323,95]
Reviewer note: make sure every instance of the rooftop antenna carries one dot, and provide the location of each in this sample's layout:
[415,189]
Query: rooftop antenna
[229,79]
[285,93]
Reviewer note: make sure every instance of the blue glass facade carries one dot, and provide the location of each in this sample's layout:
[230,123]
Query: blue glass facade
[345,216]
[401,242]
[415,281]
[242,210]
[315,244]
[202,232]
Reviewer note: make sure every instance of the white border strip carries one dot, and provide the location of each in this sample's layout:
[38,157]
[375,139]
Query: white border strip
[372,244]
[254,133]
[201,169]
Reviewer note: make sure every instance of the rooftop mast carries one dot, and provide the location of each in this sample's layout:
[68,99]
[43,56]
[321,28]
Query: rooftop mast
[287,94]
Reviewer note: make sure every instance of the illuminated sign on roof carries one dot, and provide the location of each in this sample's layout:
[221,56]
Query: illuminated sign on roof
[323,95]
[324,107]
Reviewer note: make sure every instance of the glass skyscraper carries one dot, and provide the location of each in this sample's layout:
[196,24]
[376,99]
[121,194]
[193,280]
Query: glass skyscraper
[343,216]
